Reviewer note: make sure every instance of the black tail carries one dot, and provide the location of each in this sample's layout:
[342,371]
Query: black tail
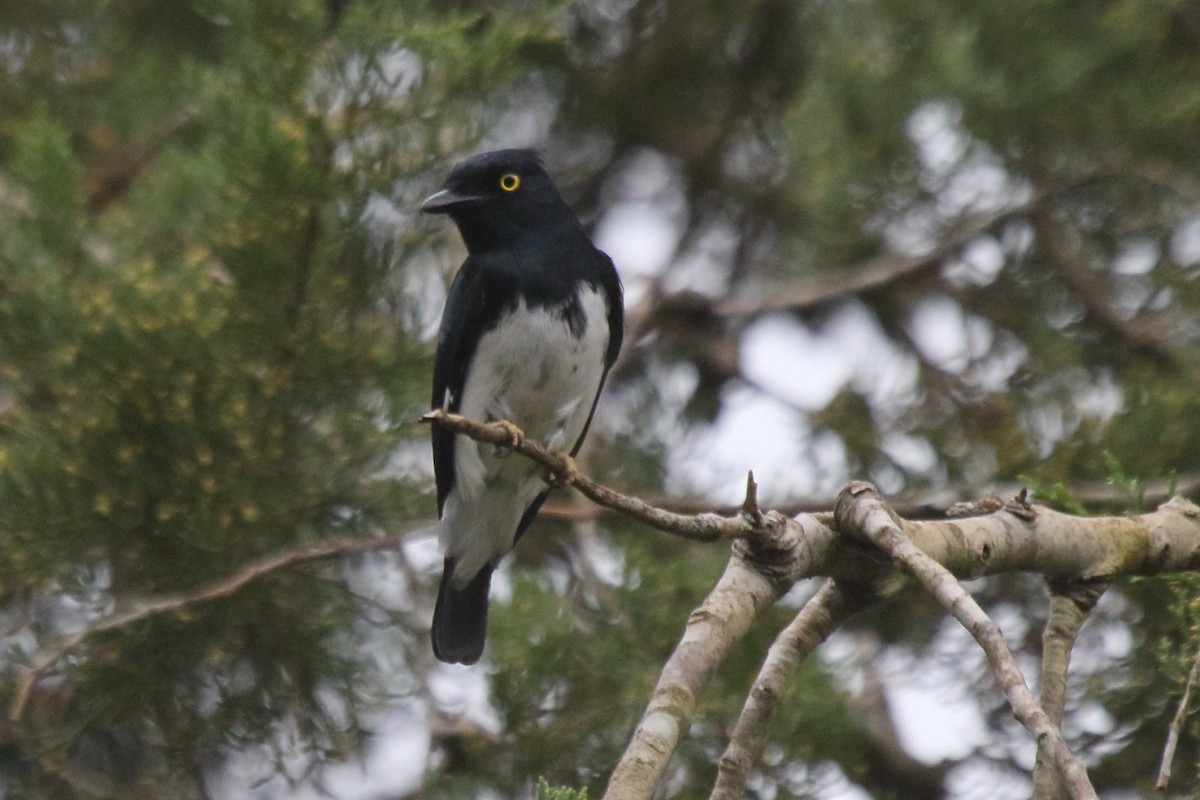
[460,617]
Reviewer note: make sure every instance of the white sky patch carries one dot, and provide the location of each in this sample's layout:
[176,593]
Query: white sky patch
[979,335]
[753,432]
[532,107]
[935,129]
[645,219]
[961,173]
[422,284]
[606,561]
[937,327]
[399,70]
[828,465]
[673,385]
[379,578]
[884,373]
[463,690]
[1136,257]
[704,267]
[391,74]
[914,453]
[808,368]
[978,264]
[981,186]
[933,723]
[934,710]
[1101,398]
[848,791]
[984,781]
[929,697]
[383,217]
[1000,361]
[409,461]
[1185,243]
[392,766]
[787,359]
[640,238]
[1092,718]
[423,552]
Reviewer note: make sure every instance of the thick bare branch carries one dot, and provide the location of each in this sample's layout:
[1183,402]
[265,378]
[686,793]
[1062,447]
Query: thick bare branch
[756,576]
[1013,538]
[821,615]
[861,510]
[1070,605]
[1096,496]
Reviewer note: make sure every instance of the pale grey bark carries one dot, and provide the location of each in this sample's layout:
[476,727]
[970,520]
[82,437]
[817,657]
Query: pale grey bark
[1070,605]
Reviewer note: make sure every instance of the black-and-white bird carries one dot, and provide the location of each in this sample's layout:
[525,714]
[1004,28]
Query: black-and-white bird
[532,324]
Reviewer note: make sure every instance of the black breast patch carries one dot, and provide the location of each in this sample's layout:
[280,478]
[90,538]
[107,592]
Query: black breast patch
[572,314]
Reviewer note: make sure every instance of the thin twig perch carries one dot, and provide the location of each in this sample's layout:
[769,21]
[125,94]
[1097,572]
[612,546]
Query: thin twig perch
[1168,756]
[704,527]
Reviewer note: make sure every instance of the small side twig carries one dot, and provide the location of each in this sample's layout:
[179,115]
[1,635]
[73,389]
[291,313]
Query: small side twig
[750,508]
[137,610]
[1173,733]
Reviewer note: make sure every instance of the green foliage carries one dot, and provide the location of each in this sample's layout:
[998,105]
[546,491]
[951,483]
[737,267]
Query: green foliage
[215,303]
[1177,653]
[547,792]
[200,361]
[549,687]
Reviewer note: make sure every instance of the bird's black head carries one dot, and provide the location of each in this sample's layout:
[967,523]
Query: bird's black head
[496,197]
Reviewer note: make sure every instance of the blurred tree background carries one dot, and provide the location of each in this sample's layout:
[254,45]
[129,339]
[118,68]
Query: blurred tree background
[939,245]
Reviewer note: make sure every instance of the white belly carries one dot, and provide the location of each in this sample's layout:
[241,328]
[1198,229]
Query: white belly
[533,371]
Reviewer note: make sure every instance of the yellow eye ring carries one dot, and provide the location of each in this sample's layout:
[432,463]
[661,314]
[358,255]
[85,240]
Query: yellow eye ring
[509,181]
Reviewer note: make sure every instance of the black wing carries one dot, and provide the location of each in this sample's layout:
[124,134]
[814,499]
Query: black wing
[613,291]
[472,307]
[614,295]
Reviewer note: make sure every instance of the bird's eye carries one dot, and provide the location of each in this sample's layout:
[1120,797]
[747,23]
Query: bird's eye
[509,181]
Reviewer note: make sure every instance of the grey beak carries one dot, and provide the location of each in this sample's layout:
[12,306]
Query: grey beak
[441,202]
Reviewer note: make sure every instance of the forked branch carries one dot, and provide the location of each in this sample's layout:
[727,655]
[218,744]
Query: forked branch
[861,510]
[1070,605]
[821,615]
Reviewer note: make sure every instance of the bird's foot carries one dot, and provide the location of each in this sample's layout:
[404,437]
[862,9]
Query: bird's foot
[565,476]
[515,437]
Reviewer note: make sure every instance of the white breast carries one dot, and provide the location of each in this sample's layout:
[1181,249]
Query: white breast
[533,371]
